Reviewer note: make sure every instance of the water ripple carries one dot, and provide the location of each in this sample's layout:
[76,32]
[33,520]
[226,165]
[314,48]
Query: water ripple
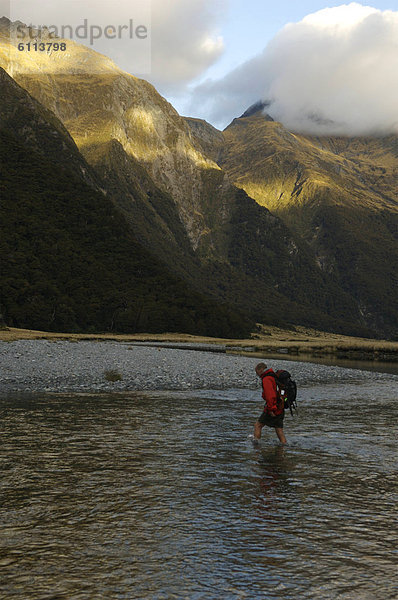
[162,495]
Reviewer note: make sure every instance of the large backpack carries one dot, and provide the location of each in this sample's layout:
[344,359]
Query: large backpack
[286,388]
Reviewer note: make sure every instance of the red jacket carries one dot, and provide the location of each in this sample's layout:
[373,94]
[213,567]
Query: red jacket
[270,394]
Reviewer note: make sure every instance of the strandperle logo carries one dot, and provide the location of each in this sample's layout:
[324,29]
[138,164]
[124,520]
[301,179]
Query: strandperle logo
[83,31]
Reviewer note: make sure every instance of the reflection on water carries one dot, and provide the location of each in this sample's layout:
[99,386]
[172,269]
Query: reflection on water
[377,366]
[163,496]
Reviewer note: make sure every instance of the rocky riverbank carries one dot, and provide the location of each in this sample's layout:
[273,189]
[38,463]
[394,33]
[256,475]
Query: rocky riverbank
[300,343]
[89,366]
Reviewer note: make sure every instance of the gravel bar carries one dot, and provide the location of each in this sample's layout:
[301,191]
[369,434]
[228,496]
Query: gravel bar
[65,366]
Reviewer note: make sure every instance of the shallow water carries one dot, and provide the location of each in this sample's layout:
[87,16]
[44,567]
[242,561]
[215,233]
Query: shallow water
[377,366]
[162,495]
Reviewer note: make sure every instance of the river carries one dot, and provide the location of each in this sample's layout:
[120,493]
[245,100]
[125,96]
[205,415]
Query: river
[161,495]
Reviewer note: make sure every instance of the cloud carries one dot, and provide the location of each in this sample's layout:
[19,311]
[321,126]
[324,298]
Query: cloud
[183,35]
[185,40]
[336,71]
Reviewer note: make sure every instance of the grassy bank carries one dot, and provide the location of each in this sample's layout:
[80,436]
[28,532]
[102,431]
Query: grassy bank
[298,342]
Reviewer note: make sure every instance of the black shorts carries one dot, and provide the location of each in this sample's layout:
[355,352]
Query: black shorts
[266,419]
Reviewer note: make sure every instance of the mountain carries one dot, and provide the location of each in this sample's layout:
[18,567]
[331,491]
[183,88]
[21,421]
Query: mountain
[164,174]
[339,194]
[258,108]
[210,139]
[69,260]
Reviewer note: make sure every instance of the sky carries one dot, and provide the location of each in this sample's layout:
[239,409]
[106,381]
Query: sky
[326,71]
[324,66]
[250,24]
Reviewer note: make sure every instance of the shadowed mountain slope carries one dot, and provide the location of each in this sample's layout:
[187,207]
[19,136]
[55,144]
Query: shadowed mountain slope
[69,260]
[339,195]
[162,175]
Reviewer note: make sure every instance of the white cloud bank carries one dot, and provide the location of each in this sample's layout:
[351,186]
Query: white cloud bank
[336,71]
[185,40]
[183,35]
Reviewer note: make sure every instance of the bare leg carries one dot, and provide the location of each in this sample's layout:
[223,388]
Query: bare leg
[257,430]
[281,435]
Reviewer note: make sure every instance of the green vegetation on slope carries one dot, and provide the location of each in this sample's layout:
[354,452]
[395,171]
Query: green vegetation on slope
[182,208]
[70,263]
[338,195]
[245,256]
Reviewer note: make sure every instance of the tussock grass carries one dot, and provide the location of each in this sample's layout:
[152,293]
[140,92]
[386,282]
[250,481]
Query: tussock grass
[299,340]
[113,375]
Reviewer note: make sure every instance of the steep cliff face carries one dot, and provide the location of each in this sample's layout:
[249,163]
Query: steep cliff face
[152,213]
[98,102]
[160,170]
[69,260]
[338,194]
[210,139]
[31,122]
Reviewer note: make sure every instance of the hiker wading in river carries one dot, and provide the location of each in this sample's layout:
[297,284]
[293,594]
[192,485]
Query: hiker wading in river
[274,411]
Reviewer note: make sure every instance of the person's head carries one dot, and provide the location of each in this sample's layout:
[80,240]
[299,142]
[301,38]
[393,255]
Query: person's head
[261,367]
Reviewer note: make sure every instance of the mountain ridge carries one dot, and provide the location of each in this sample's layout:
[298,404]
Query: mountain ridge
[339,194]
[165,175]
[69,259]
